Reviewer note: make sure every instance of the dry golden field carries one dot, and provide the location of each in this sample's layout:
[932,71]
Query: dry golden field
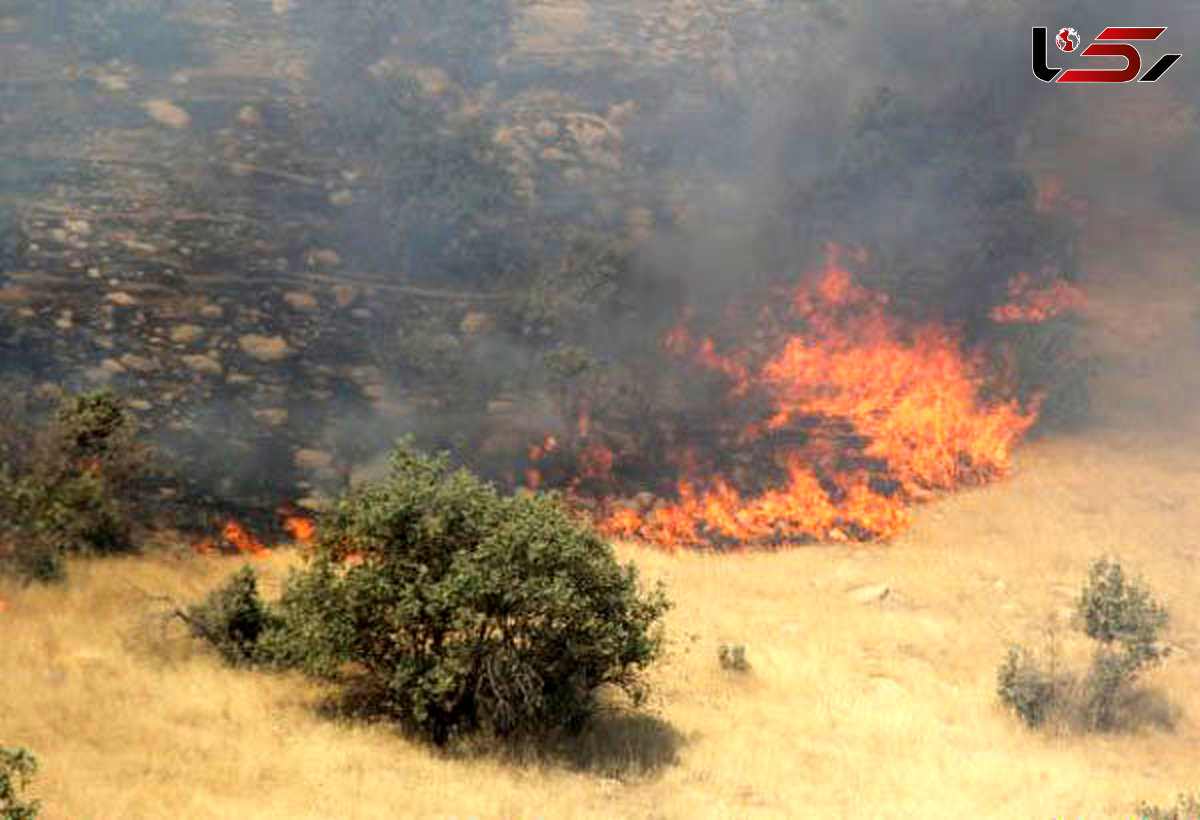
[852,709]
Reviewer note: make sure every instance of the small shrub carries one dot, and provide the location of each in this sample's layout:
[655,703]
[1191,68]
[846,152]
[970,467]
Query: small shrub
[1124,621]
[1122,617]
[233,618]
[733,657]
[1026,686]
[17,768]
[1187,807]
[463,610]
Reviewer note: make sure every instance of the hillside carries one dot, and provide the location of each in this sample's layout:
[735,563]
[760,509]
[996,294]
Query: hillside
[880,708]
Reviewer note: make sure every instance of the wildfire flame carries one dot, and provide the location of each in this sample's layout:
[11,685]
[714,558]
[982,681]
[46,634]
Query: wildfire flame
[865,416]
[303,530]
[243,541]
[1037,304]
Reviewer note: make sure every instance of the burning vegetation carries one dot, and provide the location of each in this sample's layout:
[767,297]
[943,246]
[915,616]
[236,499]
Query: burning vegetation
[830,425]
[456,237]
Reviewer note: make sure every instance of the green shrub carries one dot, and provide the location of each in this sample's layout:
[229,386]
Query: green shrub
[233,618]
[17,768]
[733,657]
[464,610]
[1027,687]
[1124,621]
[69,490]
[1122,617]
[1187,807]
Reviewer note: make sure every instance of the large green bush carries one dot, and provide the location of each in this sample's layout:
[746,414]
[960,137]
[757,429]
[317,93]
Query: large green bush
[17,768]
[457,609]
[67,489]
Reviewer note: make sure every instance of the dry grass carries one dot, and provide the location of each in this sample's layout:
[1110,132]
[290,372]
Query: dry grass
[850,709]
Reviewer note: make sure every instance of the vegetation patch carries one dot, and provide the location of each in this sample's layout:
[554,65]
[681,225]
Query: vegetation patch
[1124,622]
[68,485]
[450,607]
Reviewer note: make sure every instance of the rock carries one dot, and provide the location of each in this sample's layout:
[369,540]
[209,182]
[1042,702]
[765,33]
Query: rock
[167,113]
[312,460]
[185,334]
[344,295]
[870,594]
[11,294]
[112,82]
[120,297]
[112,367]
[79,227]
[271,416]
[211,311]
[264,348]
[64,321]
[202,363]
[301,301]
[239,378]
[138,364]
[249,116]
[323,258]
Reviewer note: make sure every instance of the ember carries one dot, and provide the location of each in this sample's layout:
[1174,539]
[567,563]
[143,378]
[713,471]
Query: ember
[848,418]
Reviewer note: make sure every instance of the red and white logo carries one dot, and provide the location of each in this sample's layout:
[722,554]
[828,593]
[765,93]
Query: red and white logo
[1114,41]
[1067,39]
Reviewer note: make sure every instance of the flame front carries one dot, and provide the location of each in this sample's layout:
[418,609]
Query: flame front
[865,415]
[243,541]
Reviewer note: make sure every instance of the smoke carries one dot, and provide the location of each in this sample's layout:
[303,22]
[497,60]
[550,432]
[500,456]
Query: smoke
[523,200]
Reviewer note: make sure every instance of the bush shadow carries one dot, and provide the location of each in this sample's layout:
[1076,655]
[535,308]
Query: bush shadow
[616,742]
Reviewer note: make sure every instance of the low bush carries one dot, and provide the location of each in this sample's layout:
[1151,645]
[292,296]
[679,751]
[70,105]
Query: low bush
[455,609]
[733,657]
[17,768]
[233,619]
[1186,807]
[1123,619]
[1121,616]
[1026,687]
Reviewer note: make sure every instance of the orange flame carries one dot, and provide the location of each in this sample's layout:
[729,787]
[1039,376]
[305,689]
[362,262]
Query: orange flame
[876,415]
[1037,304]
[243,541]
[303,530]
